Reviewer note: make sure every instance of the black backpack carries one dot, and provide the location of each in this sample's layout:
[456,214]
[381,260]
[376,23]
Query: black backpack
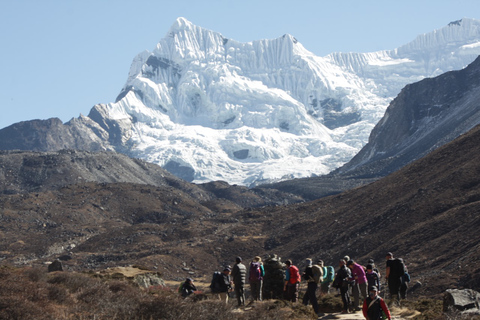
[397,269]
[215,284]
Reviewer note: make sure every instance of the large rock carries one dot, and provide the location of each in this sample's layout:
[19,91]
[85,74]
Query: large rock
[462,300]
[55,266]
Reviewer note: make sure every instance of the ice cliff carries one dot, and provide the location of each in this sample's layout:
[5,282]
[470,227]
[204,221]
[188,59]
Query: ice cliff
[206,107]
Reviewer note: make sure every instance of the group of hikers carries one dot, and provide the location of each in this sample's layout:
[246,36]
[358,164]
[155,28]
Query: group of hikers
[350,279]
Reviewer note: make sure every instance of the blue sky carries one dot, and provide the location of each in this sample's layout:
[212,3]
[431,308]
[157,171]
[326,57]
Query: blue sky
[59,58]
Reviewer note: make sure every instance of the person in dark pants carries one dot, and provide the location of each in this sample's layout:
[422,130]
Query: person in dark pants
[312,284]
[221,284]
[256,274]
[342,280]
[239,274]
[393,274]
[292,282]
[404,285]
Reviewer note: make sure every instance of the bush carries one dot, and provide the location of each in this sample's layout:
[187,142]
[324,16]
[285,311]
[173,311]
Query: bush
[330,303]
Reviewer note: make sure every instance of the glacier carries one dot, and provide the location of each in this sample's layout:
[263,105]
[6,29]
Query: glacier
[206,107]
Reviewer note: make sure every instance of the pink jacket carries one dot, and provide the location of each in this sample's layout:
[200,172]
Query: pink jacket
[359,273]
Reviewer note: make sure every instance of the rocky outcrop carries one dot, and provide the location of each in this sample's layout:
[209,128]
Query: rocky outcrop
[24,171]
[52,135]
[423,117]
[466,300]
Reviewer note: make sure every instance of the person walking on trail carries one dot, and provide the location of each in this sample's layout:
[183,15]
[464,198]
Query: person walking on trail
[292,282]
[312,275]
[255,277]
[393,274]
[373,279]
[360,286]
[374,268]
[239,274]
[341,281]
[405,281]
[374,307]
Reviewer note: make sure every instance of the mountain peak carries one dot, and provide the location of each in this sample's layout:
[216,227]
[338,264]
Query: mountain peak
[181,24]
[455,23]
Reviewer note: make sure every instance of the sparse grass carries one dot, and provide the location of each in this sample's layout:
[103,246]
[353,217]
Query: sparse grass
[427,309]
[35,294]
[430,309]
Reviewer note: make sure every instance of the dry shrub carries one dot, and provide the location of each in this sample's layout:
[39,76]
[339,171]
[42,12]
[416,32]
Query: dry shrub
[330,303]
[36,274]
[73,282]
[28,294]
[21,298]
[58,294]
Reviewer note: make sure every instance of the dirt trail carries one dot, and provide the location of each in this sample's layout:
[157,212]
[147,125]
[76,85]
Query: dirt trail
[397,314]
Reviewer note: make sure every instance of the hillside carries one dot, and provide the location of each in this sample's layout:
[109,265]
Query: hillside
[426,213]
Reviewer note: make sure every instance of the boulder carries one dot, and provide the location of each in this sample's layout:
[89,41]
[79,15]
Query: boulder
[146,280]
[462,300]
[55,266]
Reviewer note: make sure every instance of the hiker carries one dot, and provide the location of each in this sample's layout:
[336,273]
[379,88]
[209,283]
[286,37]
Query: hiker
[273,281]
[292,282]
[341,281]
[360,286]
[312,275]
[393,275]
[187,288]
[256,274]
[405,281]
[373,279]
[221,284]
[374,307]
[374,268]
[239,274]
[328,275]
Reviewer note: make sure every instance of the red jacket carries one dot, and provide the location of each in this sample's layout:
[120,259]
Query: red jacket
[293,276]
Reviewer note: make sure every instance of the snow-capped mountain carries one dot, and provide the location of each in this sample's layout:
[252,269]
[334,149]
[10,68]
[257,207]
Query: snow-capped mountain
[206,107]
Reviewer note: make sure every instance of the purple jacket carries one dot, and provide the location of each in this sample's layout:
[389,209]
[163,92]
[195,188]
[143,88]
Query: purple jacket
[359,273]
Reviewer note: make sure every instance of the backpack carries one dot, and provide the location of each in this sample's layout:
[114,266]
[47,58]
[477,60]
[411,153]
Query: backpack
[255,272]
[317,272]
[294,275]
[215,284]
[328,274]
[397,268]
